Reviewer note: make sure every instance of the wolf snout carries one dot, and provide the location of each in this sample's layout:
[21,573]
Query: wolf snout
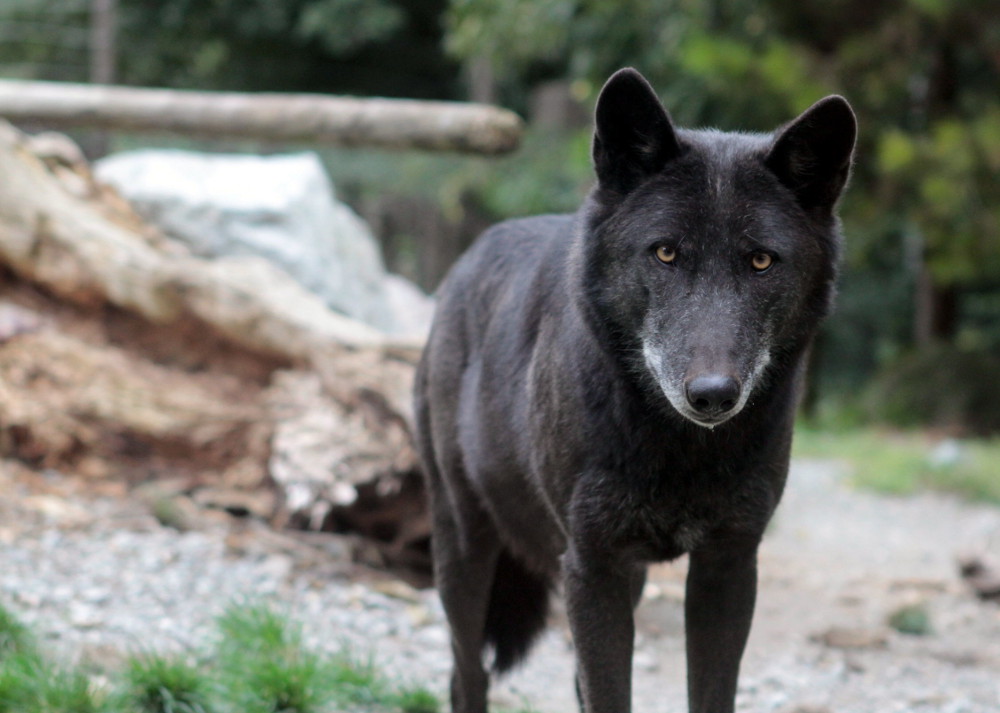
[712,395]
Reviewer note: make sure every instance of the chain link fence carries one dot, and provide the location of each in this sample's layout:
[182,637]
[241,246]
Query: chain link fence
[58,40]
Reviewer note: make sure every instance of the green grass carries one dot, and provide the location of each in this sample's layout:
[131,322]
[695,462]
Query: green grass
[165,684]
[264,666]
[14,637]
[258,663]
[29,684]
[905,462]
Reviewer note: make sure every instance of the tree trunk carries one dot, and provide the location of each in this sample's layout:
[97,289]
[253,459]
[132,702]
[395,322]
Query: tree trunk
[385,123]
[481,80]
[935,311]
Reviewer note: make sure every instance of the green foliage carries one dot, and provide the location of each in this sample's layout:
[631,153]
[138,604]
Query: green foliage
[42,39]
[280,45]
[950,170]
[550,174]
[716,62]
[944,386]
[244,44]
[511,34]
[771,68]
[343,26]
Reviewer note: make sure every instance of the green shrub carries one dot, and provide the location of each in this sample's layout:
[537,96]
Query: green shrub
[943,387]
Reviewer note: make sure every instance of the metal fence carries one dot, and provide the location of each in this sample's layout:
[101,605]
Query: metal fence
[60,40]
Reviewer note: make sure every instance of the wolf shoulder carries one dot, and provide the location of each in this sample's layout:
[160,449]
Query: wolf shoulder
[509,259]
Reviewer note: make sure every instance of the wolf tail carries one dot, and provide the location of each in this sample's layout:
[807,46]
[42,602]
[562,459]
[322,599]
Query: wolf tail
[519,607]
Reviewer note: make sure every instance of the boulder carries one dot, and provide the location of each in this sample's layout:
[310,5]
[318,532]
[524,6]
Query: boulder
[281,207]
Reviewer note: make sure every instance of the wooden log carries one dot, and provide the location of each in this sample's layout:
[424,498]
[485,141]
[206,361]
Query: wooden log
[102,411]
[307,118]
[66,244]
[136,358]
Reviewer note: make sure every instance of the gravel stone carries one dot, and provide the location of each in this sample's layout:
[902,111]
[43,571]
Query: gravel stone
[114,582]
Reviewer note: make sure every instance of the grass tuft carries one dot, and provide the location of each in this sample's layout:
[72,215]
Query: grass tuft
[416,699]
[259,664]
[59,691]
[264,666]
[15,639]
[160,684]
[30,685]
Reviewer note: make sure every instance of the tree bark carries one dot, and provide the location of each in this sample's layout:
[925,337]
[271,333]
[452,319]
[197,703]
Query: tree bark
[345,121]
[935,316]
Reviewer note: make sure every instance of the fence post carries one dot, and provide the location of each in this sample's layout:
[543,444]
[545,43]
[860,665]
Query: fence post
[103,56]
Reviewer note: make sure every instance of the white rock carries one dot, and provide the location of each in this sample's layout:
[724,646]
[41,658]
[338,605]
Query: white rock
[282,208]
[412,308]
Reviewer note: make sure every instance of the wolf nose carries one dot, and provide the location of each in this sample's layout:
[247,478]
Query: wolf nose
[712,394]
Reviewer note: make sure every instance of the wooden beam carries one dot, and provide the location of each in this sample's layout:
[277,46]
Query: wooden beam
[295,118]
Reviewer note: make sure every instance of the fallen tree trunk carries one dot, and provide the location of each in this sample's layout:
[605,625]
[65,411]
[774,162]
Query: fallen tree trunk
[106,413]
[87,255]
[344,121]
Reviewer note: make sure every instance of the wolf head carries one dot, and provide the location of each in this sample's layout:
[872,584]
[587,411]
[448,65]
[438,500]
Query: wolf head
[708,259]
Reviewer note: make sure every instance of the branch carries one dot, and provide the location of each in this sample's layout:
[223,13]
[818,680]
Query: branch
[344,121]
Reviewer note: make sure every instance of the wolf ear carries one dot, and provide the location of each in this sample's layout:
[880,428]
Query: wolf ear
[633,137]
[812,155]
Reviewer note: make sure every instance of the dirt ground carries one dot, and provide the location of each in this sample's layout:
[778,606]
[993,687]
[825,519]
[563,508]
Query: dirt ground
[96,574]
[836,564]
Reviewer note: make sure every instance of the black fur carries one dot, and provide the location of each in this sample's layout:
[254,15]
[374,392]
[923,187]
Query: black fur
[617,387]
[519,606]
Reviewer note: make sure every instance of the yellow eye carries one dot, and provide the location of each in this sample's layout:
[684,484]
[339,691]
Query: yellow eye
[666,255]
[761,261]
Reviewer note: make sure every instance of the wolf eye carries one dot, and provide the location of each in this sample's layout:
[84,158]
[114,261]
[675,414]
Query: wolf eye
[665,254]
[761,261]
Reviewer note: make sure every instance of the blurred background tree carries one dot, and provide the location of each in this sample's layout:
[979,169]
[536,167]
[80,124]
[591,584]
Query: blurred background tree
[921,285]
[347,46]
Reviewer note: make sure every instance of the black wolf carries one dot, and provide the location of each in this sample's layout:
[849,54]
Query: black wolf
[617,387]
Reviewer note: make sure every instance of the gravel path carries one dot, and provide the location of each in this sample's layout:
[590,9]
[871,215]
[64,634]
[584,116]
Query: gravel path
[98,577]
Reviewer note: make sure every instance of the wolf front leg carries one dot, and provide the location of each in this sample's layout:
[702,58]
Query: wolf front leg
[718,609]
[600,595]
